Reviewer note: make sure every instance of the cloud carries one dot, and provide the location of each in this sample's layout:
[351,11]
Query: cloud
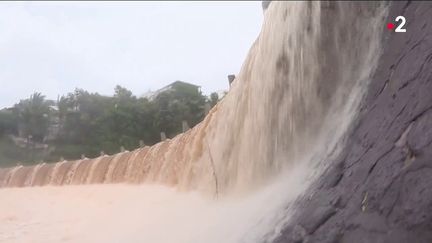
[54,47]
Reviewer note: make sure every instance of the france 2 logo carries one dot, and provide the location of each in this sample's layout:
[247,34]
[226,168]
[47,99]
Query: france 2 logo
[400,26]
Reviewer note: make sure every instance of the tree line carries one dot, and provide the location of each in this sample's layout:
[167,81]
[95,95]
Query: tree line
[84,123]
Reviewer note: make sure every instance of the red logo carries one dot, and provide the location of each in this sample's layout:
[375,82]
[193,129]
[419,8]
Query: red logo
[390,26]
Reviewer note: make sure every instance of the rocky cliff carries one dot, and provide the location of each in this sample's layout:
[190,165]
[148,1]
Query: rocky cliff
[380,188]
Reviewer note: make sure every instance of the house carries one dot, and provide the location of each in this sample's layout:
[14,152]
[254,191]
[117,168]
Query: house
[171,87]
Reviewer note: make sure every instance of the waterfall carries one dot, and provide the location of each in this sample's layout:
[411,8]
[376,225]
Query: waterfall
[297,91]
[285,117]
[30,179]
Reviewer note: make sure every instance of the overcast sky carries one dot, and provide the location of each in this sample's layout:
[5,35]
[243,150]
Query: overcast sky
[54,47]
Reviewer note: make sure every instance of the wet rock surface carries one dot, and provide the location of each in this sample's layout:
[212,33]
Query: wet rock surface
[380,188]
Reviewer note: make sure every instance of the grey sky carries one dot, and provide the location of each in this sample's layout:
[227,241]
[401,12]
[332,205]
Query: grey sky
[54,47]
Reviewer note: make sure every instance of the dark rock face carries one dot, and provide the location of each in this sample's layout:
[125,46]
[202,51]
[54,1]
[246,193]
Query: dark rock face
[380,189]
[265,4]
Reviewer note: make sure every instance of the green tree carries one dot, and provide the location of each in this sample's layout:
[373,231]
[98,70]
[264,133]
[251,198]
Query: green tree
[90,122]
[33,116]
[181,103]
[8,122]
[214,98]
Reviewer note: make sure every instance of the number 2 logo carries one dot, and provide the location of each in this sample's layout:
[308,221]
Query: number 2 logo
[400,28]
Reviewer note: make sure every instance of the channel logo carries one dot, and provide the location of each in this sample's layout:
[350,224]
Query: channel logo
[400,23]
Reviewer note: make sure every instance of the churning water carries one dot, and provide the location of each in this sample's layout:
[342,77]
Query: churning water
[232,177]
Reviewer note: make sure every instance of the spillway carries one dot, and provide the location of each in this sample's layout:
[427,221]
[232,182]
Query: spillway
[283,121]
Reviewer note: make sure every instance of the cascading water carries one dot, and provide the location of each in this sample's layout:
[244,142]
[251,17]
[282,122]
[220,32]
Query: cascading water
[275,131]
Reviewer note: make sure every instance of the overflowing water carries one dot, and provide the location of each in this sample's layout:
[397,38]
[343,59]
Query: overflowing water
[279,126]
